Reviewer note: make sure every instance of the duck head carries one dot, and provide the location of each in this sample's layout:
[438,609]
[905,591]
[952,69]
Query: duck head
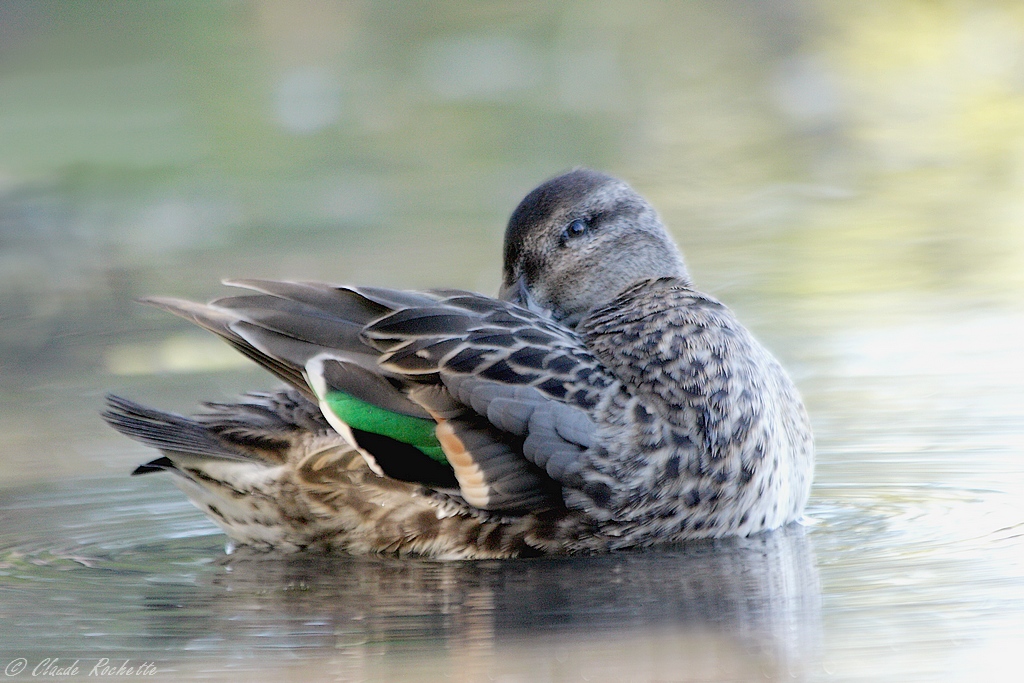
[578,240]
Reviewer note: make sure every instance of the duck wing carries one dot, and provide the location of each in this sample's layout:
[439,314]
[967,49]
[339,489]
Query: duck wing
[445,387]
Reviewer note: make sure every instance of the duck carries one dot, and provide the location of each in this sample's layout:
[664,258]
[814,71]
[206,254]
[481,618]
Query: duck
[600,402]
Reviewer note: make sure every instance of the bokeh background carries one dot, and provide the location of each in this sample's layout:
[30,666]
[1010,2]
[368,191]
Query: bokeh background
[849,177]
[817,161]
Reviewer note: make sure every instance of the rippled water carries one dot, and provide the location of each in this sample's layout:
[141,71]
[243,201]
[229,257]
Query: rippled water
[160,589]
[851,181]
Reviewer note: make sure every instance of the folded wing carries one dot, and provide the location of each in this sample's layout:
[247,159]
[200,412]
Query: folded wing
[447,388]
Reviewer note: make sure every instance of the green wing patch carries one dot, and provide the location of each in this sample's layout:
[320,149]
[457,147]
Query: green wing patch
[358,414]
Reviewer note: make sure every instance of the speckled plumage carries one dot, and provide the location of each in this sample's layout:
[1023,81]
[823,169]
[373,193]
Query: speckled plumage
[274,475]
[711,419]
[601,403]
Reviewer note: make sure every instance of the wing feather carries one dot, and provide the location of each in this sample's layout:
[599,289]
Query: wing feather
[512,391]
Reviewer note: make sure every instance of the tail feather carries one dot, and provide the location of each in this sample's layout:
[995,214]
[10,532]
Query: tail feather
[265,414]
[161,464]
[166,432]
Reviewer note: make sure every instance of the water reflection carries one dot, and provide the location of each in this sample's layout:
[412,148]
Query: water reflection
[761,595]
[88,583]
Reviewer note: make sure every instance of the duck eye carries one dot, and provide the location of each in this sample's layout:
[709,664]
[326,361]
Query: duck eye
[574,229]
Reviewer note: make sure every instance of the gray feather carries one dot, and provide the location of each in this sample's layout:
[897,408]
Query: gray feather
[220,322]
[556,434]
[339,301]
[511,415]
[512,483]
[165,431]
[545,448]
[436,399]
[356,381]
[573,425]
[295,319]
[395,299]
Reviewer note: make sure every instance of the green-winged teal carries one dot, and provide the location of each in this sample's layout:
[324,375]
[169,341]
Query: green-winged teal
[601,402]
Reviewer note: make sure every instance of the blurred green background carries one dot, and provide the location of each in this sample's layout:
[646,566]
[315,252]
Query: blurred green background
[822,164]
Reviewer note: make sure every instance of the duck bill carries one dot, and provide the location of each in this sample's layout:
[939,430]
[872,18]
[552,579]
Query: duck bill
[516,293]
[519,294]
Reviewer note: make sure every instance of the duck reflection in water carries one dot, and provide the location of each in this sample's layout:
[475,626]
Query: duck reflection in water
[740,606]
